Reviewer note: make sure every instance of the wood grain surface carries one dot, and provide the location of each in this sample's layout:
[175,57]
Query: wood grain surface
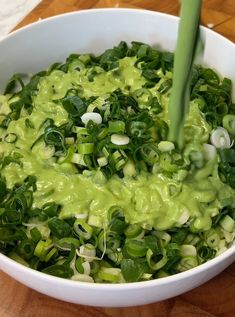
[216,297]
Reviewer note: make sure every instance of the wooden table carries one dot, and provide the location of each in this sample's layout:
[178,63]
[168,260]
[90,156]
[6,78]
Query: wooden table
[215,298]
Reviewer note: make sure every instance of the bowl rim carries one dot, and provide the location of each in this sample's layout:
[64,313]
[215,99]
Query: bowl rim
[108,10]
[117,286]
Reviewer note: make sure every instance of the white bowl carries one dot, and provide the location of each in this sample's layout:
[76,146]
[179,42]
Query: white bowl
[37,46]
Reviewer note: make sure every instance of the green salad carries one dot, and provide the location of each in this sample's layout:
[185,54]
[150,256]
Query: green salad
[91,188]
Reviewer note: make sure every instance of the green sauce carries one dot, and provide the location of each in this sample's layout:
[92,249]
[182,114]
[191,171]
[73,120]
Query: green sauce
[146,199]
[91,188]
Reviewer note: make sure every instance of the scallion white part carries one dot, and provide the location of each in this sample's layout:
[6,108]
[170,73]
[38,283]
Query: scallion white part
[80,216]
[166,146]
[163,236]
[147,226]
[120,139]
[44,230]
[69,140]
[110,274]
[129,169]
[220,138]
[212,238]
[229,236]
[78,159]
[146,276]
[87,251]
[187,262]
[94,220]
[209,151]
[82,278]
[227,223]
[188,250]
[184,217]
[91,116]
[87,268]
[102,161]
[222,247]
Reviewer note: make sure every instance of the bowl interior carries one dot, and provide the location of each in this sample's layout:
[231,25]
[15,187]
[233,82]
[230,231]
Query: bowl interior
[34,48]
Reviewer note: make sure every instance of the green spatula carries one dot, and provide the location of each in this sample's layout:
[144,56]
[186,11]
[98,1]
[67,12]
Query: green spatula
[187,44]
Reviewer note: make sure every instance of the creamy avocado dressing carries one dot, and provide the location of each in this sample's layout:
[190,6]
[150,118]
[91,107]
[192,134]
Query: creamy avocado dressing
[147,199]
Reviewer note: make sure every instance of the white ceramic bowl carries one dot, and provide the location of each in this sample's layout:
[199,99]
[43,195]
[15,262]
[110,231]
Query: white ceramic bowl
[37,46]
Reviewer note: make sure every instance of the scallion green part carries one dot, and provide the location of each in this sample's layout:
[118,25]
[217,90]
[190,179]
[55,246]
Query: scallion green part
[91,187]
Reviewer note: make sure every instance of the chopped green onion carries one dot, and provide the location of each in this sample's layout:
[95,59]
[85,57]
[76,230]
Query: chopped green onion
[42,248]
[119,159]
[68,156]
[78,159]
[59,270]
[97,103]
[108,242]
[184,217]
[227,223]
[187,262]
[14,256]
[134,231]
[129,169]
[163,236]
[160,262]
[35,234]
[188,250]
[65,243]
[209,151]
[86,267]
[91,116]
[26,248]
[229,123]
[149,153]
[206,253]
[161,274]
[192,239]
[132,270]
[167,162]
[69,140]
[59,228]
[212,238]
[82,278]
[143,96]
[85,58]
[120,139]
[114,212]
[87,251]
[76,65]
[102,161]
[50,254]
[136,248]
[102,134]
[116,126]
[116,219]
[111,275]
[78,265]
[166,146]
[82,229]
[220,138]
[85,148]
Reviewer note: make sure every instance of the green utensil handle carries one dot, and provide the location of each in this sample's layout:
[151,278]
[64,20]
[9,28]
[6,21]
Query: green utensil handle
[188,36]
